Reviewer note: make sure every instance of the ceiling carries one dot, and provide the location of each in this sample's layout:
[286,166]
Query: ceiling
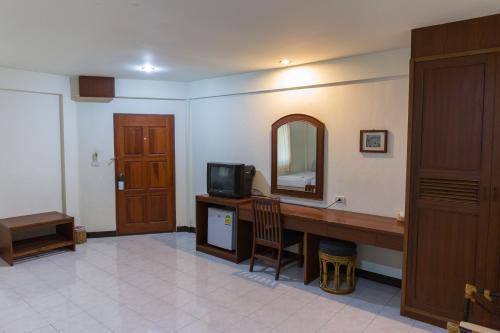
[195,39]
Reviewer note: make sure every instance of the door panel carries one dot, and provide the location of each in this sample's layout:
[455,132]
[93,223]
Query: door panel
[450,174]
[493,266]
[447,262]
[158,174]
[157,140]
[135,175]
[158,211]
[452,123]
[133,140]
[144,148]
[136,209]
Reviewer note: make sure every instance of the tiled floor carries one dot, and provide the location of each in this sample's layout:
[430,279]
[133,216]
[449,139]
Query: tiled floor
[158,283]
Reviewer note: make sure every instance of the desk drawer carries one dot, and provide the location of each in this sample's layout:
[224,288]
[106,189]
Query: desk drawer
[390,242]
[299,224]
[353,235]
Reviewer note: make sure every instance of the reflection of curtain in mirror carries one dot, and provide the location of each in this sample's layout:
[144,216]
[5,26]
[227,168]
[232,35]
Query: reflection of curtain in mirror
[284,149]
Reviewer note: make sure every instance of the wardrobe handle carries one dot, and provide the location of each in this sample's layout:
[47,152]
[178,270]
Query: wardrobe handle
[495,193]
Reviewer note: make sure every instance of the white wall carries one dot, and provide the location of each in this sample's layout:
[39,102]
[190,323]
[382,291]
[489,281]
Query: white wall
[95,133]
[148,89]
[24,88]
[237,128]
[30,142]
[345,70]
[33,92]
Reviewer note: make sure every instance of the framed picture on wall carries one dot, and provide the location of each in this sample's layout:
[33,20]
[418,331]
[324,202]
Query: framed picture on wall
[373,141]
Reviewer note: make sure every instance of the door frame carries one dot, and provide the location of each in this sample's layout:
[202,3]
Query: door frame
[174,196]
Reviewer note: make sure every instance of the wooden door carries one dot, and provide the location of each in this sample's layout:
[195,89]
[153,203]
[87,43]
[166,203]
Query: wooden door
[493,257]
[145,155]
[450,173]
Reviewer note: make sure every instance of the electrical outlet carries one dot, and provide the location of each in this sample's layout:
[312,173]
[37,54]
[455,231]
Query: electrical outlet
[341,199]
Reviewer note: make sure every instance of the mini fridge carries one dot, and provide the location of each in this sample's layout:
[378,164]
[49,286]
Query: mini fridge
[221,228]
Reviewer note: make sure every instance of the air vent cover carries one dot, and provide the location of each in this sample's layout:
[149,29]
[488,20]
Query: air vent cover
[450,189]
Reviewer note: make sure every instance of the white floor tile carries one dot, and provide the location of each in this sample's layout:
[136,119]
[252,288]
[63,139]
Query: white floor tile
[16,312]
[77,323]
[115,285]
[25,324]
[45,329]
[200,327]
[176,320]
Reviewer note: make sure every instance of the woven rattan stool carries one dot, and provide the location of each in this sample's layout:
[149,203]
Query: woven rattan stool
[342,256]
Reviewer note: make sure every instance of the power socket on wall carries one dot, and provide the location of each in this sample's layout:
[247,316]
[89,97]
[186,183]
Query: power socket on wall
[340,199]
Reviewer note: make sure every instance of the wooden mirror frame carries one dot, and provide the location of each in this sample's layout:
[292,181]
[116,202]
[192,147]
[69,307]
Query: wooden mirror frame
[320,146]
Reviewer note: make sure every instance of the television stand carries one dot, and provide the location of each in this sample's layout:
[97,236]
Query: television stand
[243,241]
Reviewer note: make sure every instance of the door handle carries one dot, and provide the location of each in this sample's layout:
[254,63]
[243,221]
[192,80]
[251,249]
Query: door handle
[112,160]
[121,182]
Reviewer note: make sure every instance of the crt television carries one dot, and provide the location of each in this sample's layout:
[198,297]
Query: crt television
[230,179]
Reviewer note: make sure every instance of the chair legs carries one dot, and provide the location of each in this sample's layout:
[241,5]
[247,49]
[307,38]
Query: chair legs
[301,254]
[278,266]
[252,260]
[277,256]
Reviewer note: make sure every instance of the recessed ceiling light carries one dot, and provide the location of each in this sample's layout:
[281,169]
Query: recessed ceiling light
[147,68]
[285,62]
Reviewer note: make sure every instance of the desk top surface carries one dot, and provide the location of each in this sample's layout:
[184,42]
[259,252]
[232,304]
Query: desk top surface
[339,217]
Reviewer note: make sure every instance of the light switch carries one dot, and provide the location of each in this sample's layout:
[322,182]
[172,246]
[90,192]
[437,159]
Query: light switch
[95,159]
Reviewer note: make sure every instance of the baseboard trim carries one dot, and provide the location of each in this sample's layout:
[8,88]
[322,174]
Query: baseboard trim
[380,278]
[100,234]
[186,229]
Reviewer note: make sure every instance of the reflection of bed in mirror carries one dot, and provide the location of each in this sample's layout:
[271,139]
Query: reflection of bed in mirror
[297,157]
[298,180]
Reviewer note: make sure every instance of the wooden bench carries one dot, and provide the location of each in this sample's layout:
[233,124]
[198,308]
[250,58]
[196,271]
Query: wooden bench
[18,235]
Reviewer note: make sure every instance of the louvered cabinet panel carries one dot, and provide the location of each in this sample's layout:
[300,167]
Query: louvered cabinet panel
[457,190]
[450,175]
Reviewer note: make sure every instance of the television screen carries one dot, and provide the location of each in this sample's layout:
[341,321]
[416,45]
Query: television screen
[222,178]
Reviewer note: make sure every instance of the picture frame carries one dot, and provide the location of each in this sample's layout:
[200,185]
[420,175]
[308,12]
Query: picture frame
[373,141]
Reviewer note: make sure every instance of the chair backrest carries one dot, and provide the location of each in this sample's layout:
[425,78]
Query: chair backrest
[267,227]
[487,300]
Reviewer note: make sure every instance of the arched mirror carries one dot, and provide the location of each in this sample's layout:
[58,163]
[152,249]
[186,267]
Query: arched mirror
[297,156]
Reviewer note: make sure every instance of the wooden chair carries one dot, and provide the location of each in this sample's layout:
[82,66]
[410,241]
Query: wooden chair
[483,298]
[268,233]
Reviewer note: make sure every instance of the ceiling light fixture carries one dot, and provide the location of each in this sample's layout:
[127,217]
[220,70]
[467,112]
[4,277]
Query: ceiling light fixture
[285,62]
[147,68]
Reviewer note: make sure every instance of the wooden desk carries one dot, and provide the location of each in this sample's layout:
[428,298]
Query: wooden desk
[315,223]
[356,227]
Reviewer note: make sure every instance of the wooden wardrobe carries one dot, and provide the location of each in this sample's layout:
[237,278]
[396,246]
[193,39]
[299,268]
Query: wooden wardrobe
[452,234]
